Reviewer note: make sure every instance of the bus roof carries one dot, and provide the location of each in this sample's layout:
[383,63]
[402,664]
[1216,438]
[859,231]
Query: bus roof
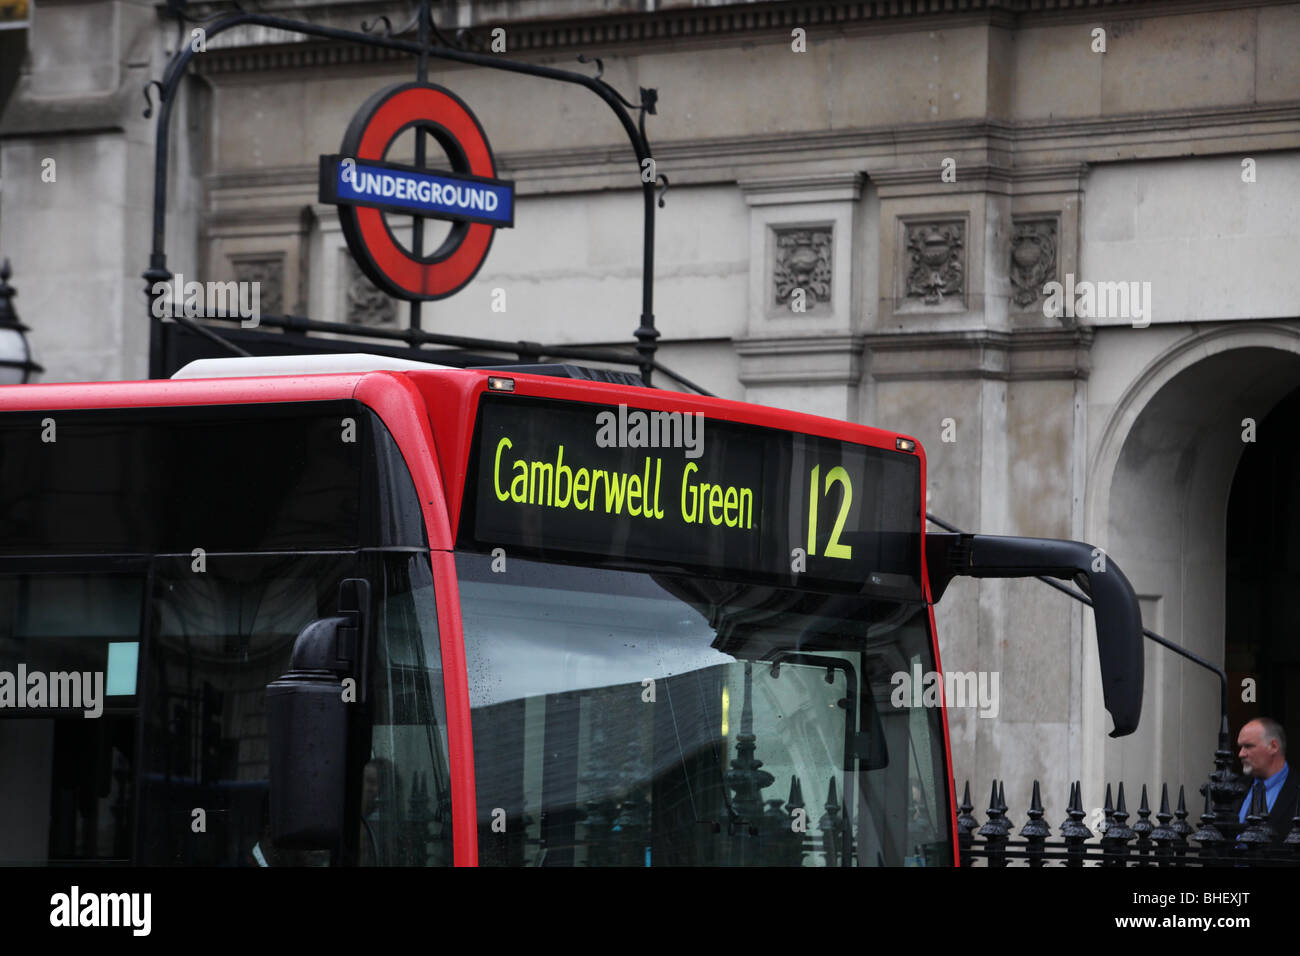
[304,378]
[450,399]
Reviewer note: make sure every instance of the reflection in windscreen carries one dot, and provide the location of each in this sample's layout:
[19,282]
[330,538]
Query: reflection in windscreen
[631,719]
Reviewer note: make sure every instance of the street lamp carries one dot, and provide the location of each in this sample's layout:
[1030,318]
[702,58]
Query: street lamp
[16,365]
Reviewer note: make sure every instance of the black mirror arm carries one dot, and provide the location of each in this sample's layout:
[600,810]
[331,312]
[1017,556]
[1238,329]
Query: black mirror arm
[1118,617]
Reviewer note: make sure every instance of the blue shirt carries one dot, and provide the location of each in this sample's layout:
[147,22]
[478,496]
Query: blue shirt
[1272,786]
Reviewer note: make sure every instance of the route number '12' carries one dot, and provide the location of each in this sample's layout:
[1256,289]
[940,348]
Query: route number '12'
[833,547]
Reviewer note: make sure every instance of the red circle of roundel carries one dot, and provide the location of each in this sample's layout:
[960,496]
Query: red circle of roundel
[376,125]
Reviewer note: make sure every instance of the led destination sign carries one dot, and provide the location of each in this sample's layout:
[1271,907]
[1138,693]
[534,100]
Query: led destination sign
[738,501]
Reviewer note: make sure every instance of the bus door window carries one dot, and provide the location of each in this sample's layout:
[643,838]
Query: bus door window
[68,771]
[221,634]
[904,798]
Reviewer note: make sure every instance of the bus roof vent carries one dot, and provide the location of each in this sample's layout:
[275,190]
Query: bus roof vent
[563,370]
[298,365]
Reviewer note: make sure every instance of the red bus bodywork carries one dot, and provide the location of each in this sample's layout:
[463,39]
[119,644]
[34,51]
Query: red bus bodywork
[431,416]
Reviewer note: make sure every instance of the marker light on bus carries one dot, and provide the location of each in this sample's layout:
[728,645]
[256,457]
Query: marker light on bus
[905,444]
[496,383]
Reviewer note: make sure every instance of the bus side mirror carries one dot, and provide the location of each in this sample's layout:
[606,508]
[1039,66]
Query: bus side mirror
[307,712]
[1115,606]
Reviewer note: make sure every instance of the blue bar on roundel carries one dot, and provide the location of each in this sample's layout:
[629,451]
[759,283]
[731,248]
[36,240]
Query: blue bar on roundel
[430,194]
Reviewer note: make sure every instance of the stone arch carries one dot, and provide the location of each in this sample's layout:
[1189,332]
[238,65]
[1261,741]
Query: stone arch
[1156,499]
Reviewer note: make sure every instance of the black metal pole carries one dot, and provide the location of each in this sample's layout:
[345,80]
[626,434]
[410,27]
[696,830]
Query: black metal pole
[646,333]
[423,17]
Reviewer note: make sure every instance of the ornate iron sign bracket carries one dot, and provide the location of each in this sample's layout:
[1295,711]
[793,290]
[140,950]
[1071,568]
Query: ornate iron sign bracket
[428,43]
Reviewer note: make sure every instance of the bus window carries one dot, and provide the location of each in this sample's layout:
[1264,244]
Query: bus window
[406,796]
[632,719]
[184,549]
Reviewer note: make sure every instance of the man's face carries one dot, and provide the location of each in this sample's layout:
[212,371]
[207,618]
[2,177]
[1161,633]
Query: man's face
[1255,757]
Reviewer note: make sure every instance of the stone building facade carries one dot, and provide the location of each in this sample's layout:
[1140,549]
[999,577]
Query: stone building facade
[919,173]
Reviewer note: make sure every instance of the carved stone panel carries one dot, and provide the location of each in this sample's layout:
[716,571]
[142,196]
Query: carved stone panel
[1033,260]
[364,304]
[802,261]
[935,262]
[268,271]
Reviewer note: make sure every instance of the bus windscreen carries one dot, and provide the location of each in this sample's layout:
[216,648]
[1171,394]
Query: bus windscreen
[579,481]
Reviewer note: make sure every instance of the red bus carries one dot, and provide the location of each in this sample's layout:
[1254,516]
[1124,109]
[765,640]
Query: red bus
[400,615]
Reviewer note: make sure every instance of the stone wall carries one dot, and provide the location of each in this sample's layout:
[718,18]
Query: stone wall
[919,177]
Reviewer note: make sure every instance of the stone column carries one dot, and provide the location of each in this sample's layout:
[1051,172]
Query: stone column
[77,160]
[960,355]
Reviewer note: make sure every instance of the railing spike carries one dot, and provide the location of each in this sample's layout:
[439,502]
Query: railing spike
[1208,834]
[1292,839]
[1116,835]
[966,821]
[796,793]
[996,824]
[1180,824]
[1072,805]
[1119,829]
[995,830]
[1074,830]
[1257,833]
[1144,827]
[1036,830]
[1163,835]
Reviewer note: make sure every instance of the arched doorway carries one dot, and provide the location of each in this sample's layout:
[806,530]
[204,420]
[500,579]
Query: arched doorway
[1159,485]
[1262,626]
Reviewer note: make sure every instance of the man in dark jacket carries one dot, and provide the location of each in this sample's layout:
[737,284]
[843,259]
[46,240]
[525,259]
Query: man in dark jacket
[1261,745]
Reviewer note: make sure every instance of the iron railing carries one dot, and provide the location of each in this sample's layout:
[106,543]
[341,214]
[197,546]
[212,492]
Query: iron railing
[1169,841]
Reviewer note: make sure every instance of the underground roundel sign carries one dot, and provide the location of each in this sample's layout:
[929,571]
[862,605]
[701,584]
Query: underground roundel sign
[370,191]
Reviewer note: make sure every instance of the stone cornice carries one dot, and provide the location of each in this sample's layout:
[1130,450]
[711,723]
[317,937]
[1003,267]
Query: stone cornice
[982,178]
[803,345]
[1094,137]
[910,177]
[789,360]
[1029,355]
[568,25]
[1032,354]
[757,157]
[815,187]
